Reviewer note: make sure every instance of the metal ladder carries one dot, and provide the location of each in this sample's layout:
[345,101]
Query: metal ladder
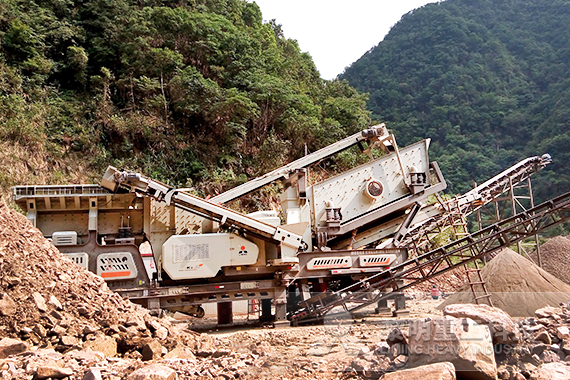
[459,224]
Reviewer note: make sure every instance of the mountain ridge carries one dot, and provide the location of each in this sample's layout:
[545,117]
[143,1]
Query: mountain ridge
[487,81]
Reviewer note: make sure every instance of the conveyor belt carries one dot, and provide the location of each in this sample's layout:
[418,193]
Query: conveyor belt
[438,261]
[474,199]
[136,182]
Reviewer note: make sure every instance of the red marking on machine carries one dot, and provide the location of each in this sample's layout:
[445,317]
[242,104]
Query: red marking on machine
[116,274]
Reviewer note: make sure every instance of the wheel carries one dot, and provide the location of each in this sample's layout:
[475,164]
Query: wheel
[200,312]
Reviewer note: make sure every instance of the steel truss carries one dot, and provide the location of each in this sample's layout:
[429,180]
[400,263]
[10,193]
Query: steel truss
[419,240]
[429,265]
[518,198]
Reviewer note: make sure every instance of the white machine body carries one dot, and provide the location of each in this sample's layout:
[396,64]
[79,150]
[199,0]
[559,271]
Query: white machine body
[270,217]
[377,260]
[79,258]
[369,186]
[203,255]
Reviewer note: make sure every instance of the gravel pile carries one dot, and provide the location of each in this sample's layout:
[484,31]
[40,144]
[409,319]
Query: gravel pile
[517,286]
[555,257]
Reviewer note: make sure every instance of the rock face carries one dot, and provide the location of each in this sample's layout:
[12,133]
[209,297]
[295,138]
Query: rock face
[503,329]
[543,337]
[397,341]
[151,350]
[92,374]
[103,343]
[396,336]
[563,332]
[53,372]
[7,305]
[39,301]
[180,353]
[437,371]
[462,342]
[551,371]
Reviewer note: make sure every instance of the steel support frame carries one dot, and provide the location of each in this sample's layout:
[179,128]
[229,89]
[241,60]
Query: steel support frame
[474,200]
[208,293]
[439,261]
[519,201]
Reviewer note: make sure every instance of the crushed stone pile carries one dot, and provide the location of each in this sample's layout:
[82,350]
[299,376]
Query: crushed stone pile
[49,302]
[555,257]
[518,286]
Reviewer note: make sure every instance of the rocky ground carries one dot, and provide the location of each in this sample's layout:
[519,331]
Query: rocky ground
[369,348]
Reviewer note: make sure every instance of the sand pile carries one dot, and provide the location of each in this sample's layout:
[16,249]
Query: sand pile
[48,301]
[518,286]
[555,257]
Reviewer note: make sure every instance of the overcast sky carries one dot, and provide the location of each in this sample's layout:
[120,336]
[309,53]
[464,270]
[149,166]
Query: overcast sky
[336,32]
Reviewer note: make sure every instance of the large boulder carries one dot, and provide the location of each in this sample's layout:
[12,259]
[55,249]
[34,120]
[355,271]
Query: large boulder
[551,371]
[503,329]
[437,371]
[151,350]
[397,336]
[103,343]
[52,372]
[7,305]
[462,342]
[180,352]
[397,340]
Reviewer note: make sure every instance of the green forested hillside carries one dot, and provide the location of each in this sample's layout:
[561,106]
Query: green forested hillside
[487,80]
[194,92]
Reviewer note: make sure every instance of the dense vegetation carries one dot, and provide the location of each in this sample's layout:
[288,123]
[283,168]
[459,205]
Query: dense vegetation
[195,92]
[204,93]
[487,80]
